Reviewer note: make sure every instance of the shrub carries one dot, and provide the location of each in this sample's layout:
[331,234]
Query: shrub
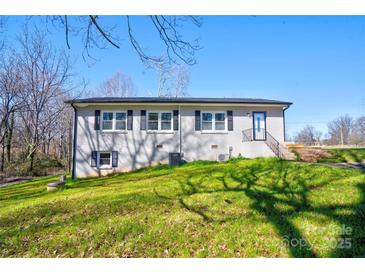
[42,167]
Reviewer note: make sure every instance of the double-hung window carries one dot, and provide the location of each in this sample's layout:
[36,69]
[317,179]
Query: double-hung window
[105,160]
[120,121]
[207,121]
[107,121]
[153,121]
[114,120]
[220,121]
[166,120]
[159,121]
[213,121]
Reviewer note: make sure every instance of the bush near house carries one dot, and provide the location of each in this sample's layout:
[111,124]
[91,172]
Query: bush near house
[42,167]
[241,208]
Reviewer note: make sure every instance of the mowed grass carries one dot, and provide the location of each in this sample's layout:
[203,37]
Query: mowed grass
[241,208]
[344,155]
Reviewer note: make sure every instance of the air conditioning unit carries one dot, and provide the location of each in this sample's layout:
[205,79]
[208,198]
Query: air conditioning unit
[222,157]
[175,159]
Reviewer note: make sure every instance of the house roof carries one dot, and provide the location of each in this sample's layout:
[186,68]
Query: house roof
[177,100]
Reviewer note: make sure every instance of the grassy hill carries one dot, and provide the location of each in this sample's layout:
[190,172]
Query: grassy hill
[345,155]
[241,208]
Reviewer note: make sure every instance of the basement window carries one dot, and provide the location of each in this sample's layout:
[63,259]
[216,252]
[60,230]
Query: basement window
[105,160]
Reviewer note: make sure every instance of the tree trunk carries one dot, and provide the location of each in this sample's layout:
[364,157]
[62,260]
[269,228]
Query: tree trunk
[33,148]
[9,138]
[2,165]
[31,157]
[60,152]
[44,148]
[5,126]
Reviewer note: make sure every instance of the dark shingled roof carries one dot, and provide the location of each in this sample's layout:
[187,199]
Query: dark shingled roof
[169,100]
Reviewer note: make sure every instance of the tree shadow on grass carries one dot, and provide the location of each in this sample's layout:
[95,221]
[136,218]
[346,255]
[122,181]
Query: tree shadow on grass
[279,190]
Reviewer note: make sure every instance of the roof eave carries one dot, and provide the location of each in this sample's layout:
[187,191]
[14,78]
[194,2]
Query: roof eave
[262,104]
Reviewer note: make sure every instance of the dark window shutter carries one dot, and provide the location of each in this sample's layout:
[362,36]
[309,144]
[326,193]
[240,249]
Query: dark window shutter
[143,120]
[230,120]
[130,120]
[176,119]
[114,158]
[97,120]
[94,158]
[197,120]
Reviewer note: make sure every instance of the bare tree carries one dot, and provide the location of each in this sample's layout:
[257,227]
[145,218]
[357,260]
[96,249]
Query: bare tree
[119,85]
[10,101]
[339,130]
[173,80]
[2,29]
[308,136]
[357,136]
[96,33]
[46,81]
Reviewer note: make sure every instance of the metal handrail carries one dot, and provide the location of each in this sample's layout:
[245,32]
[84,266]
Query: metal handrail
[273,144]
[270,141]
[247,135]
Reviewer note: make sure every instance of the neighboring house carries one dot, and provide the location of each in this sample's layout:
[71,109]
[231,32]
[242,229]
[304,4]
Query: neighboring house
[121,134]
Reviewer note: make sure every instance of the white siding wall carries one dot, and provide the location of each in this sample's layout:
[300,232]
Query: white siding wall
[138,148]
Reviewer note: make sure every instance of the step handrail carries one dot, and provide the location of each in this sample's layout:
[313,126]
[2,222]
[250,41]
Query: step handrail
[247,135]
[270,141]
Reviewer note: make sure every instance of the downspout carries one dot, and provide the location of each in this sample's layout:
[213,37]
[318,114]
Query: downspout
[180,134]
[284,109]
[73,175]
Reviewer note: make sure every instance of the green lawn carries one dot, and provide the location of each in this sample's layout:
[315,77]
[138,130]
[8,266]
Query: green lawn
[345,155]
[242,208]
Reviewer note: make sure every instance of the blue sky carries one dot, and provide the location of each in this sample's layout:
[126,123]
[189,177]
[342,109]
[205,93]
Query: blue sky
[316,62]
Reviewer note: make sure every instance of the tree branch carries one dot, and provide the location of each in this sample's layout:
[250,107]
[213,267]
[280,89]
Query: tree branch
[101,31]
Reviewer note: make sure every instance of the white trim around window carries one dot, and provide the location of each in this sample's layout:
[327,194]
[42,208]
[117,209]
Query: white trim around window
[159,125]
[110,125]
[213,122]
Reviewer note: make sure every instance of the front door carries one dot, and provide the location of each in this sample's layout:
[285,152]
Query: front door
[259,126]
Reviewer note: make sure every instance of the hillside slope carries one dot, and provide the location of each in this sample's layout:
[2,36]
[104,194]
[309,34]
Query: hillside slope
[242,208]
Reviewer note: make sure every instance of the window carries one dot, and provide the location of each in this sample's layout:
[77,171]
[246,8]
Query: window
[120,121]
[104,159]
[159,121]
[213,121]
[114,120]
[220,121]
[153,121]
[107,120]
[166,120]
[207,121]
